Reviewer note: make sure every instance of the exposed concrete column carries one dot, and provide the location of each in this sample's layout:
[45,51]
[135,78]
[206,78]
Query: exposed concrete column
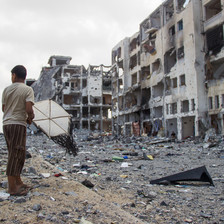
[88,86]
[101,103]
[179,128]
[81,106]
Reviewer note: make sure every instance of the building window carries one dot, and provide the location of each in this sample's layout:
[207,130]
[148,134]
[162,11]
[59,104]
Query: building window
[182,80]
[66,83]
[210,103]
[180,52]
[172,31]
[180,25]
[173,108]
[167,108]
[216,102]
[222,100]
[174,82]
[185,106]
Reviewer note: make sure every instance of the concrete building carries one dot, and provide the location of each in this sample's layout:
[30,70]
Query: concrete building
[83,93]
[167,79]
[158,74]
[213,17]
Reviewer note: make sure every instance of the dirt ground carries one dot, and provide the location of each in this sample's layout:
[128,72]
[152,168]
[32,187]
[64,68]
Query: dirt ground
[119,194]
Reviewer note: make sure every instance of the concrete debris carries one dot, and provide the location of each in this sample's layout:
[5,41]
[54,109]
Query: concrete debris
[120,190]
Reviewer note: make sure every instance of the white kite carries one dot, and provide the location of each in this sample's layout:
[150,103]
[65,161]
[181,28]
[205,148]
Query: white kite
[55,122]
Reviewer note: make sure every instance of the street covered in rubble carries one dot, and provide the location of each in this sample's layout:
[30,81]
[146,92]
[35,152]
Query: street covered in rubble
[109,181]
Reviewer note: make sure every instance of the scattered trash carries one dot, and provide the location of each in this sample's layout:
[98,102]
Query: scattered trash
[117,158]
[147,157]
[45,175]
[58,175]
[125,164]
[4,195]
[124,176]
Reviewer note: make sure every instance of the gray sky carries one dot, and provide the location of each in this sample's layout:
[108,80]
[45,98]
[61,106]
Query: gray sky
[87,30]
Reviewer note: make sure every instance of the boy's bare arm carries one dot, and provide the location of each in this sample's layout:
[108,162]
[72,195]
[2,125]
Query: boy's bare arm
[29,111]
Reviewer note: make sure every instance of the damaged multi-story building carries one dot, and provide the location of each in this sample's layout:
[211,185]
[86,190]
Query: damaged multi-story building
[167,75]
[83,93]
[167,79]
[213,17]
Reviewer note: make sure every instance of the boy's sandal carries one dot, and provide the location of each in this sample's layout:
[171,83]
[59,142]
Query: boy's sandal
[22,192]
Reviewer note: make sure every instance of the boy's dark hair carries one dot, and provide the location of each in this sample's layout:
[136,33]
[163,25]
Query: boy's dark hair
[20,71]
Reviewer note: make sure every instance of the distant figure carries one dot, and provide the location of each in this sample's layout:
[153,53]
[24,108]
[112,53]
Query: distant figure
[17,103]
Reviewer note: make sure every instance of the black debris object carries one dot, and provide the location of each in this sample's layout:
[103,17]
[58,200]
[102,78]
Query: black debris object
[198,174]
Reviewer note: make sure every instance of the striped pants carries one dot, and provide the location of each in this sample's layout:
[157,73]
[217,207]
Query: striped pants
[15,136]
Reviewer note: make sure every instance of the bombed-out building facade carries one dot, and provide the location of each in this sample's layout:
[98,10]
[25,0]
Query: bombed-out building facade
[83,93]
[168,76]
[167,79]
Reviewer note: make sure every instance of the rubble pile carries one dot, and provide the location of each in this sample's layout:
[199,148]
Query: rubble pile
[109,181]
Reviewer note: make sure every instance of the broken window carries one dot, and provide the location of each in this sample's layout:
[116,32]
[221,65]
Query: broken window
[216,102]
[75,85]
[174,82]
[181,4]
[185,106]
[169,10]
[107,84]
[173,108]
[156,66]
[85,112]
[95,100]
[72,99]
[210,103]
[180,25]
[167,108]
[172,37]
[146,114]
[145,72]
[167,86]
[172,31]
[116,55]
[180,52]
[182,80]
[107,99]
[158,90]
[158,112]
[169,60]
[147,128]
[146,95]
[134,79]
[133,61]
[95,112]
[94,125]
[134,43]
[84,83]
[215,39]
[85,124]
[67,84]
[213,8]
